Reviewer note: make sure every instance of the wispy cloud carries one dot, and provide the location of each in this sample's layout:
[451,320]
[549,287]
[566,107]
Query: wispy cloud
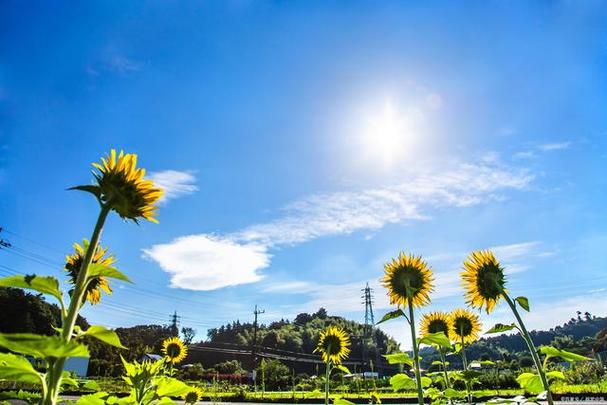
[536,150]
[554,146]
[174,183]
[329,214]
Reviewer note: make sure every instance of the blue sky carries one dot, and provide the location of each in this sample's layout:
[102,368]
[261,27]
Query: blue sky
[304,144]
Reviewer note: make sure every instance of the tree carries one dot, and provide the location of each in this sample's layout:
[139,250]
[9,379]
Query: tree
[188,334]
[275,374]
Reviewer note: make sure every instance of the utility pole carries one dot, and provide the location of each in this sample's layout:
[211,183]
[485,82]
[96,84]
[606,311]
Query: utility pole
[256,312]
[174,320]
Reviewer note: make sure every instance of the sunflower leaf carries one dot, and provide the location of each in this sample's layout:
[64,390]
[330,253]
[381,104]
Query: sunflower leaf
[402,382]
[18,368]
[550,352]
[343,369]
[45,285]
[500,327]
[171,387]
[437,339]
[392,315]
[341,401]
[530,382]
[105,335]
[40,346]
[523,302]
[399,358]
[99,270]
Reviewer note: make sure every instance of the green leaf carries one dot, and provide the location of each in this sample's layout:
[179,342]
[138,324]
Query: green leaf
[392,315]
[44,285]
[399,358]
[550,351]
[469,375]
[171,387]
[451,393]
[555,375]
[18,368]
[93,399]
[402,382]
[523,302]
[426,382]
[105,335]
[436,339]
[99,270]
[343,369]
[500,327]
[42,346]
[530,382]
[91,385]
[341,401]
[66,379]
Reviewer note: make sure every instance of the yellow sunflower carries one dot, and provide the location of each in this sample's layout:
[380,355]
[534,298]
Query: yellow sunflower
[408,273]
[483,280]
[122,186]
[174,350]
[95,284]
[465,325]
[334,345]
[192,396]
[435,322]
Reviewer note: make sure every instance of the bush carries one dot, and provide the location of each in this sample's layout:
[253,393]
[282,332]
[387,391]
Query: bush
[588,372]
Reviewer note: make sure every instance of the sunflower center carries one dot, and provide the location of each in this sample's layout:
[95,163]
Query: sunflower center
[173,350]
[332,345]
[463,326]
[490,281]
[407,278]
[191,397]
[438,325]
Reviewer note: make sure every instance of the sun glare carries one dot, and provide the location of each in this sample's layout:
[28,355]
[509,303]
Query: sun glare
[386,136]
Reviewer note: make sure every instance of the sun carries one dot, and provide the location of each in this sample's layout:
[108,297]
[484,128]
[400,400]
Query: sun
[386,136]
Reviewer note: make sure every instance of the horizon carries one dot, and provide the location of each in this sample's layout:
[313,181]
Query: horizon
[302,148]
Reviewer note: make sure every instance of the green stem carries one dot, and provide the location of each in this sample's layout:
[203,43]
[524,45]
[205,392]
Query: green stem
[418,376]
[55,372]
[531,346]
[327,376]
[444,361]
[465,362]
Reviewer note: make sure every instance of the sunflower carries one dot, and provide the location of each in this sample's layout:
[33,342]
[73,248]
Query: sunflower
[435,322]
[192,396]
[334,345]
[95,284]
[483,279]
[408,275]
[174,350]
[122,186]
[465,325]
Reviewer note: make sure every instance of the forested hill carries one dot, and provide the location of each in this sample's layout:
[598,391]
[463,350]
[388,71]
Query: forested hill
[301,334]
[578,335]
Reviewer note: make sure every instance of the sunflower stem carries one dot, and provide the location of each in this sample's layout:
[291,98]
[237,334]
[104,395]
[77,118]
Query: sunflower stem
[68,324]
[418,377]
[465,362]
[327,376]
[444,361]
[531,346]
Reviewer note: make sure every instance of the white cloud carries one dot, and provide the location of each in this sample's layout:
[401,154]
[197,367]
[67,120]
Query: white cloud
[528,154]
[554,146]
[174,183]
[122,64]
[203,262]
[330,214]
